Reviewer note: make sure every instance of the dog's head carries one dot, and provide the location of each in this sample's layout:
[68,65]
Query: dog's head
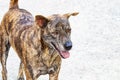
[56,32]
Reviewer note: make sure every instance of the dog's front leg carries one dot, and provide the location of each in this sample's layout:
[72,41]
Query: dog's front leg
[20,74]
[53,76]
[28,73]
[28,68]
[57,64]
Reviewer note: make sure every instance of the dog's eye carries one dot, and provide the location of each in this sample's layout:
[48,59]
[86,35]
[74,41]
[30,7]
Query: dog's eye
[68,30]
[55,33]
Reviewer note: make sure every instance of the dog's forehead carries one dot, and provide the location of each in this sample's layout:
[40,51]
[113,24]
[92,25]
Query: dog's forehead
[58,19]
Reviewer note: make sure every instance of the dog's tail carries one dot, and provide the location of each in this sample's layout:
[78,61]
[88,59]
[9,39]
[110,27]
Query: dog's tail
[13,4]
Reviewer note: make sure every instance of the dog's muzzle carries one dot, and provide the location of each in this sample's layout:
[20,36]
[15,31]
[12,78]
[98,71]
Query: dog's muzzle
[63,53]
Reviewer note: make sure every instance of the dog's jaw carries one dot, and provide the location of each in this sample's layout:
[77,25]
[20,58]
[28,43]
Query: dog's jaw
[63,54]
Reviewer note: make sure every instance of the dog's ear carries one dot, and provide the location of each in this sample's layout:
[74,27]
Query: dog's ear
[41,21]
[70,14]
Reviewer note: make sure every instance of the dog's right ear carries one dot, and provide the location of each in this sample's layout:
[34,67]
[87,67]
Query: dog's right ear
[71,14]
[41,21]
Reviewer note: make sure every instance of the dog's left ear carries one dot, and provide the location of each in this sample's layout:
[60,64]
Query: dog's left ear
[41,21]
[71,14]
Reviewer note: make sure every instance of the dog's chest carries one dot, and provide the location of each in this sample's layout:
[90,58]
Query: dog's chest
[42,68]
[44,64]
[45,70]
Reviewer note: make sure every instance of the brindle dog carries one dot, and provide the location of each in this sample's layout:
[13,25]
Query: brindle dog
[39,43]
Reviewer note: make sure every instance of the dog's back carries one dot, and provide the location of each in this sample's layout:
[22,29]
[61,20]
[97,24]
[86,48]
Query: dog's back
[13,23]
[16,16]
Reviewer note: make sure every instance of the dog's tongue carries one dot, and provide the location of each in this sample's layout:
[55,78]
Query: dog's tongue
[65,54]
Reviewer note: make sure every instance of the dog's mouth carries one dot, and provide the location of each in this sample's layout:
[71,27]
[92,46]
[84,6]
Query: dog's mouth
[63,54]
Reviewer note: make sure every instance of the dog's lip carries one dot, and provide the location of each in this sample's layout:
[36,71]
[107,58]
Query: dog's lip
[63,54]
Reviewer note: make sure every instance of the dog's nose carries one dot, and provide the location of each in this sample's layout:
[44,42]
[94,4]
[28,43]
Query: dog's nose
[68,45]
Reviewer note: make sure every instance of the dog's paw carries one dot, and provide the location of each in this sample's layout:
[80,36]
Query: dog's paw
[21,78]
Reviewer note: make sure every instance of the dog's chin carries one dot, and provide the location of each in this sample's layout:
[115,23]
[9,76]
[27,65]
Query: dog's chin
[63,54]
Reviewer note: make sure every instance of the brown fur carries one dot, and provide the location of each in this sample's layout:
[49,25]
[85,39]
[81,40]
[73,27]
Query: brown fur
[31,39]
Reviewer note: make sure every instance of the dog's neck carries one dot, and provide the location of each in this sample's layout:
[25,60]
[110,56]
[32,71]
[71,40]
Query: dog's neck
[45,46]
[48,53]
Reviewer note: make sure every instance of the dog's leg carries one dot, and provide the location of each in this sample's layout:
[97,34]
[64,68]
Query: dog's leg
[28,69]
[54,76]
[28,73]
[5,46]
[20,74]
